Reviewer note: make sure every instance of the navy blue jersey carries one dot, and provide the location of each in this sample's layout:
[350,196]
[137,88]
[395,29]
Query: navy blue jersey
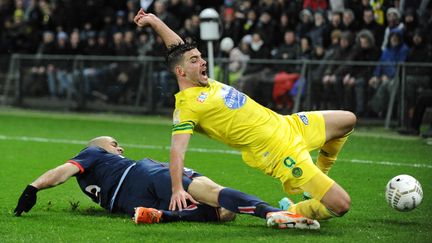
[100,173]
[147,184]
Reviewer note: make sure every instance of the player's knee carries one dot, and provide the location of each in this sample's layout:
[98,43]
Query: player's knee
[350,121]
[343,206]
[225,215]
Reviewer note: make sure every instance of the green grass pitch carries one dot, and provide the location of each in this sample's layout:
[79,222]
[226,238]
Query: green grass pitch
[33,142]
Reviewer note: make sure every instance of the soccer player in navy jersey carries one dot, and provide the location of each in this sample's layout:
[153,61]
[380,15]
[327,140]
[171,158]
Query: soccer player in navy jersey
[143,189]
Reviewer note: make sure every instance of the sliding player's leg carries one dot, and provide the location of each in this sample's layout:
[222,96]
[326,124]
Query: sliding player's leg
[207,191]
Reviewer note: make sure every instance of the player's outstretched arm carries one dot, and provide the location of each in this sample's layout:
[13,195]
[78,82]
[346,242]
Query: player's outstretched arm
[179,196]
[50,178]
[168,36]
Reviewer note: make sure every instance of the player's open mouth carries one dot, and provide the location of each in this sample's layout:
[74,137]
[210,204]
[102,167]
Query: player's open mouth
[204,73]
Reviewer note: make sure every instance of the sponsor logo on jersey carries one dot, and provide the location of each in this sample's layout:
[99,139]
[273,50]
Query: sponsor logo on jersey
[233,99]
[202,97]
[289,162]
[297,172]
[304,118]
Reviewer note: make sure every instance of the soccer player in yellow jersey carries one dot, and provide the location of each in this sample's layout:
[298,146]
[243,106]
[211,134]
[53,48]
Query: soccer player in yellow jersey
[276,144]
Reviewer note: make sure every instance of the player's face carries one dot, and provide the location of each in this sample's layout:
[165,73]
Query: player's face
[194,68]
[111,146]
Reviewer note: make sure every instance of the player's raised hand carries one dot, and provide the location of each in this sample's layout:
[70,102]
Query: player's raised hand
[27,200]
[142,19]
[179,200]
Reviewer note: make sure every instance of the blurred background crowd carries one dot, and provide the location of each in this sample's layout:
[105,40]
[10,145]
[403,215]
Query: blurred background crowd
[391,31]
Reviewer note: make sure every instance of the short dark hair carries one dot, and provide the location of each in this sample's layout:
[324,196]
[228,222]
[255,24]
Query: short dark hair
[175,52]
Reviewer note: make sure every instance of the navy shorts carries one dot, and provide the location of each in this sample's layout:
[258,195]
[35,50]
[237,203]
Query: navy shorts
[149,185]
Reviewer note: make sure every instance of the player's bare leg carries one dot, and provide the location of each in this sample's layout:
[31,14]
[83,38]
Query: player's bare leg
[339,125]
[204,190]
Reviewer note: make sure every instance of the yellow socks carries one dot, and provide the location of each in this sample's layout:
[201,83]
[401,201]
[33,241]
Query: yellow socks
[329,152]
[312,209]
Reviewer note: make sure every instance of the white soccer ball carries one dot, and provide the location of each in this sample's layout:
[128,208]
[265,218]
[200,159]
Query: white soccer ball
[404,193]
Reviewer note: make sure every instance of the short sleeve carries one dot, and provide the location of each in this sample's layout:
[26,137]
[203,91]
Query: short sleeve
[184,121]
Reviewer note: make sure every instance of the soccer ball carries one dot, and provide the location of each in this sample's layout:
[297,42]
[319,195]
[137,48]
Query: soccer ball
[404,193]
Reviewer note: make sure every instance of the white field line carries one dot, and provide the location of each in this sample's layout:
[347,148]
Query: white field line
[201,150]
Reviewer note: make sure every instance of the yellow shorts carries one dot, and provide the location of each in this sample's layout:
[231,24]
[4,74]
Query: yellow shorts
[295,166]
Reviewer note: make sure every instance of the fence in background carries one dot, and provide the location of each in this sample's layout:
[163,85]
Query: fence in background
[143,84]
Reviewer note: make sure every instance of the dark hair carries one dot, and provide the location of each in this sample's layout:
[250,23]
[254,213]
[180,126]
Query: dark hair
[175,52]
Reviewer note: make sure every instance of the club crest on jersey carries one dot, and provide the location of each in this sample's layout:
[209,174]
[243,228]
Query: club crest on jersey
[233,99]
[297,172]
[202,97]
[304,118]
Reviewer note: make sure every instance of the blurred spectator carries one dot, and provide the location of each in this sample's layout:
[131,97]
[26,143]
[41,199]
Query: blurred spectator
[238,59]
[410,22]
[120,24]
[164,83]
[306,23]
[423,101]
[335,24]
[179,9]
[132,8]
[129,43]
[315,76]
[284,25]
[16,38]
[118,45]
[168,18]
[349,21]
[393,22]
[250,22]
[337,5]
[257,78]
[384,77]
[305,48]
[317,32]
[91,44]
[378,10]
[102,47]
[266,26]
[357,7]
[76,45]
[288,50]
[334,75]
[40,79]
[417,78]
[370,24]
[272,7]
[145,43]
[230,26]
[356,82]
[286,74]
[60,81]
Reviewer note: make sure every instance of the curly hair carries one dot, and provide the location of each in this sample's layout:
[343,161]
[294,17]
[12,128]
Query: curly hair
[175,52]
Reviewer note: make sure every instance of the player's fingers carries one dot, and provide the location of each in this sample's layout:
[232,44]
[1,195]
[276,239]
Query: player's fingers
[193,200]
[172,205]
[184,202]
[136,18]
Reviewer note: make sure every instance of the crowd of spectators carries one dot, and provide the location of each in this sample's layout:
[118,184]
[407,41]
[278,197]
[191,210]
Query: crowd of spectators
[337,30]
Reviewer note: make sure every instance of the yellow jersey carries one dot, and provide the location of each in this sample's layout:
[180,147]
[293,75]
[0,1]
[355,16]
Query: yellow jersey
[227,115]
